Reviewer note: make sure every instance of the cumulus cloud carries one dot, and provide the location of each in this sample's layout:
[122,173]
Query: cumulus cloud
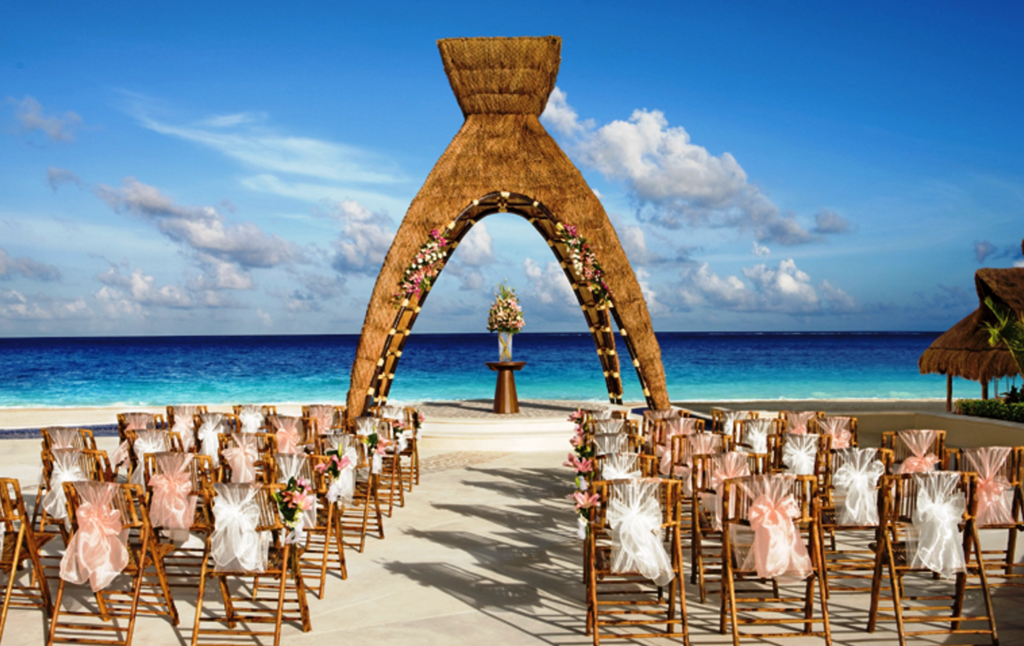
[365,237]
[548,284]
[476,250]
[26,267]
[57,177]
[675,182]
[134,292]
[784,289]
[41,307]
[759,250]
[31,117]
[654,306]
[200,228]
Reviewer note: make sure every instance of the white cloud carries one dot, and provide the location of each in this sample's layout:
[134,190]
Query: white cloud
[244,138]
[41,307]
[200,228]
[26,267]
[654,306]
[676,182]
[264,318]
[759,250]
[827,222]
[785,289]
[548,284]
[31,116]
[316,192]
[57,177]
[476,248]
[142,289]
[365,237]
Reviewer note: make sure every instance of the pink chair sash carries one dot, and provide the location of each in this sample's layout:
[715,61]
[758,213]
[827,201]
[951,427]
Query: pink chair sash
[839,429]
[993,506]
[172,507]
[796,421]
[242,458]
[778,548]
[184,425]
[96,552]
[120,454]
[919,443]
[139,421]
[324,416]
[64,438]
[726,466]
[287,434]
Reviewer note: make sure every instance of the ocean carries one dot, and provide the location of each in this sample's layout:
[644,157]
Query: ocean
[128,371]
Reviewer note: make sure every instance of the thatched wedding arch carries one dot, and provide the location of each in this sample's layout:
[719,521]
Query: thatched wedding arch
[502,160]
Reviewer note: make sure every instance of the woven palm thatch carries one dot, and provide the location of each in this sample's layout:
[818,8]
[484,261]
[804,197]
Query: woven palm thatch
[502,160]
[963,350]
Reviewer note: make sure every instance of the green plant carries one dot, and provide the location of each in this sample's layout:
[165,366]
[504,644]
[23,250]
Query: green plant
[1008,331]
[992,409]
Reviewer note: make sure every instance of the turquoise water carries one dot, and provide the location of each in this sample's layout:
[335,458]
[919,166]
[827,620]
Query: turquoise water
[698,366]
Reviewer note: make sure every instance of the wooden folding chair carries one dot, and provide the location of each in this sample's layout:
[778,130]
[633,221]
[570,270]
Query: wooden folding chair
[907,445]
[794,421]
[60,466]
[21,543]
[259,447]
[208,427]
[363,515]
[390,478]
[843,430]
[708,475]
[938,494]
[849,516]
[328,417]
[181,420]
[752,434]
[724,421]
[750,506]
[622,601]
[149,441]
[324,548]
[144,560]
[249,509]
[138,422]
[59,437]
[801,454]
[183,563]
[290,434]
[1000,471]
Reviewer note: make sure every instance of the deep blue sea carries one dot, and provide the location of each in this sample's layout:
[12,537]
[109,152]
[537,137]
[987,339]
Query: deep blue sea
[299,369]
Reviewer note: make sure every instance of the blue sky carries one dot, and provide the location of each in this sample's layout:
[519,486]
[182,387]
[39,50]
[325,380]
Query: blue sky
[240,168]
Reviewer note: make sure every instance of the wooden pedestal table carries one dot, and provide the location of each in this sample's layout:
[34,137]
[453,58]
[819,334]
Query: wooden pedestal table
[505,400]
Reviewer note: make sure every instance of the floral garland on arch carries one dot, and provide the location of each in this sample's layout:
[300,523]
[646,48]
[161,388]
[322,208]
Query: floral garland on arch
[584,262]
[581,460]
[424,268]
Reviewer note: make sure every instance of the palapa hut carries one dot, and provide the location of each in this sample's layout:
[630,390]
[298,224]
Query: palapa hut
[502,160]
[963,350]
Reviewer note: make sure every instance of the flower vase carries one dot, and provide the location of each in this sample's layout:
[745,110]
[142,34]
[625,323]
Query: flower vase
[504,346]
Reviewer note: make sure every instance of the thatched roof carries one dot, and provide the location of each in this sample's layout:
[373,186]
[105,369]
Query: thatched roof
[502,86]
[963,350]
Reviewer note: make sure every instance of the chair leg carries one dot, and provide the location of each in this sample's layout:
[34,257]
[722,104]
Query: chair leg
[56,612]
[279,614]
[199,599]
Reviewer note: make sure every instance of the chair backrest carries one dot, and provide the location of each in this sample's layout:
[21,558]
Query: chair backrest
[910,443]
[725,421]
[843,430]
[684,447]
[126,499]
[736,508]
[326,416]
[752,433]
[12,507]
[94,464]
[59,437]
[792,451]
[797,420]
[902,492]
[668,493]
[262,443]
[291,434]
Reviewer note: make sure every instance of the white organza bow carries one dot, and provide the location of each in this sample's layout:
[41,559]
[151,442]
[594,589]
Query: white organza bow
[146,442]
[607,426]
[66,468]
[729,419]
[251,419]
[620,466]
[608,443]
[366,425]
[755,434]
[796,421]
[935,540]
[634,514]
[799,453]
[209,443]
[235,544]
[64,438]
[856,480]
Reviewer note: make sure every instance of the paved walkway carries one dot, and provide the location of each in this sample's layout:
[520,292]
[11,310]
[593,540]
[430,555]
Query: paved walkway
[482,554]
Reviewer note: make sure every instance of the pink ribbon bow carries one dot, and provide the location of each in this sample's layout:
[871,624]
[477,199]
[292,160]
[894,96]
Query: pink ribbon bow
[172,506]
[838,428]
[138,421]
[777,548]
[96,552]
[242,460]
[287,434]
[728,465]
[796,423]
